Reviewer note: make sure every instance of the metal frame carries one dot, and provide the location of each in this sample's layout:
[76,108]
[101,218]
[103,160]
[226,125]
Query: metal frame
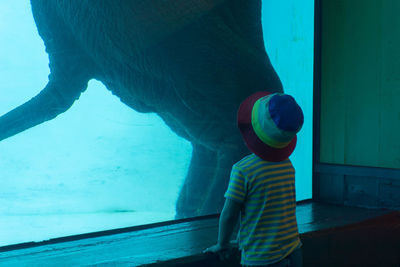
[316,97]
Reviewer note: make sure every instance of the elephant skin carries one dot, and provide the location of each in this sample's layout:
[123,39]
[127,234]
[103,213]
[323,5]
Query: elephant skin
[190,61]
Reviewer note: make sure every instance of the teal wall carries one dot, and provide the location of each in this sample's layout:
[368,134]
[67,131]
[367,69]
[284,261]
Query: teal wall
[360,97]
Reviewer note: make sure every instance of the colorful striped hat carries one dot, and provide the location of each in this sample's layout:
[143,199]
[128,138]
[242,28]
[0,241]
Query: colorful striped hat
[269,123]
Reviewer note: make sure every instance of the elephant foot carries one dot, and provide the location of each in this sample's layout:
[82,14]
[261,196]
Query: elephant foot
[198,179]
[207,181]
[214,201]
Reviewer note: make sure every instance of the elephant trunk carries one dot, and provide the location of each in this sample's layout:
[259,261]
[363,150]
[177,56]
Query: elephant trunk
[49,103]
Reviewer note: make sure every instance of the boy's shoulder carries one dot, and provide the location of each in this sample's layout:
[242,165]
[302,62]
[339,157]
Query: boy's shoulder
[248,161]
[253,159]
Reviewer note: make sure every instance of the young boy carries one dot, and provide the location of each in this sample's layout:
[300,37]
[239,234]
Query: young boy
[262,185]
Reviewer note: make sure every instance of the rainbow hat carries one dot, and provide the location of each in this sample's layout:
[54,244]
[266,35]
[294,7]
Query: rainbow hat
[269,123]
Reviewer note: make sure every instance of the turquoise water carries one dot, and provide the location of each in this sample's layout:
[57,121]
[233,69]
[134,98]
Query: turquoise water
[92,168]
[289,40]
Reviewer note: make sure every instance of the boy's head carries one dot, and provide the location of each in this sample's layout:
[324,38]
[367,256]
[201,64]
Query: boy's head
[269,123]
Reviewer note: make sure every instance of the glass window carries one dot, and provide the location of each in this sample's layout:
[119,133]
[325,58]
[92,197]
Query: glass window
[289,40]
[100,164]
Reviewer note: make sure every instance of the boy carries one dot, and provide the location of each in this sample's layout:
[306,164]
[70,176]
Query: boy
[262,185]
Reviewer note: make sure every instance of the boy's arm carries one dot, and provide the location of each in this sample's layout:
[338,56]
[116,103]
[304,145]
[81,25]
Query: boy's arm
[227,222]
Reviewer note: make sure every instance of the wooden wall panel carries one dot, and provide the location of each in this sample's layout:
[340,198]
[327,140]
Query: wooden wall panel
[389,143]
[358,186]
[389,193]
[361,191]
[332,188]
[360,83]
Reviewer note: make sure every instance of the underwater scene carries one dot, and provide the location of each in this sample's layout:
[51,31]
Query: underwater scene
[108,161]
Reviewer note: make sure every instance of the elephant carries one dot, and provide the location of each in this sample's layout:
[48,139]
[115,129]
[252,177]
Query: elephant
[191,62]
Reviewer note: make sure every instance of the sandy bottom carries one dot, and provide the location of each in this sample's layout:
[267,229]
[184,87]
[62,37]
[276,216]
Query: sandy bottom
[22,228]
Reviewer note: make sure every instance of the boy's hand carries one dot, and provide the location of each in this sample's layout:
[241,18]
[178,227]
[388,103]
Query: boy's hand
[222,252]
[215,249]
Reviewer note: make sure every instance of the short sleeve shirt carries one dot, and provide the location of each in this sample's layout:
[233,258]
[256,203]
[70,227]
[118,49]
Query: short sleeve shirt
[268,225]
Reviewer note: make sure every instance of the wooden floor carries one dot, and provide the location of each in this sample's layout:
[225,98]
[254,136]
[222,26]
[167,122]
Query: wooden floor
[168,244]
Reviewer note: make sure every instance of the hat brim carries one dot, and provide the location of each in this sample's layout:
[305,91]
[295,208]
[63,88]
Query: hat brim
[252,141]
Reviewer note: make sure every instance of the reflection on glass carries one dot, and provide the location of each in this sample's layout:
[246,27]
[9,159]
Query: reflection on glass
[101,165]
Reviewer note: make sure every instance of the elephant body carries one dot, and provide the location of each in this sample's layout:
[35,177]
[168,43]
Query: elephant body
[190,61]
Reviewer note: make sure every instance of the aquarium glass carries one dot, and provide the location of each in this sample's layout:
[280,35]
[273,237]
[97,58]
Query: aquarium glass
[102,165]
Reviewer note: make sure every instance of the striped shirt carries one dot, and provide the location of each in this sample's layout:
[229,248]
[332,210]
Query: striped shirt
[268,226]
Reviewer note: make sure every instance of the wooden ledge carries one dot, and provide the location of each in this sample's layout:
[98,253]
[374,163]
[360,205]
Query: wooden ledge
[175,243]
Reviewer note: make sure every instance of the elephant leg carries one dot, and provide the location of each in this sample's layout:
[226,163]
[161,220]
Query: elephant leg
[214,201]
[198,179]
